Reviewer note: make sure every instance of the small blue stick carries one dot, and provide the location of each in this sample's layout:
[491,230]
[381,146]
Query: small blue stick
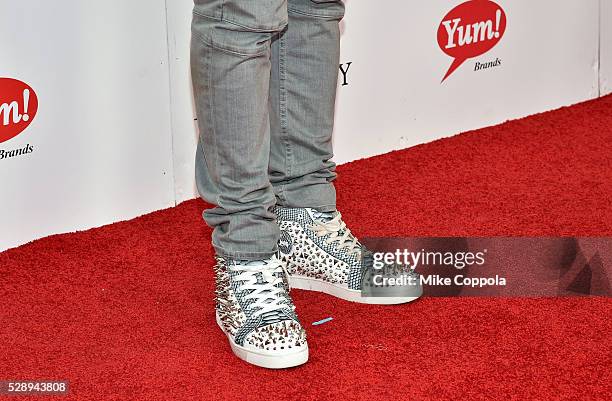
[327,319]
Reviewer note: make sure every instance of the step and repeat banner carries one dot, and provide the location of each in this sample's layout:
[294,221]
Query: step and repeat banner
[97,121]
[85,133]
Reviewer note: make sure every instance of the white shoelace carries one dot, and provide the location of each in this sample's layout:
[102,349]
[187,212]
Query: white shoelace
[334,227]
[268,297]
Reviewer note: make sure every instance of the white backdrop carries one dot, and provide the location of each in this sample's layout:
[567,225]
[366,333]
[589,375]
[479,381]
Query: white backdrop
[101,139]
[548,54]
[115,135]
[606,47]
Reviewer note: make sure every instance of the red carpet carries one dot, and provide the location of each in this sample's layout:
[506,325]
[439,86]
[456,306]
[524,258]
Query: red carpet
[125,312]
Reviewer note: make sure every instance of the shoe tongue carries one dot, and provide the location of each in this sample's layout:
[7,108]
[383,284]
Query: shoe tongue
[264,275]
[322,217]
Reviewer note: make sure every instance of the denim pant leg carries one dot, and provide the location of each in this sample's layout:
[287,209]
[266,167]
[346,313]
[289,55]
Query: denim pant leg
[230,66]
[305,62]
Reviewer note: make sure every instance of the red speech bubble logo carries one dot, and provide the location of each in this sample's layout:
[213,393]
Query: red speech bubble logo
[18,107]
[469,30]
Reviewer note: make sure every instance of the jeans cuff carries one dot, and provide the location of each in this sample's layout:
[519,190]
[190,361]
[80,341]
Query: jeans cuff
[329,207]
[325,208]
[240,255]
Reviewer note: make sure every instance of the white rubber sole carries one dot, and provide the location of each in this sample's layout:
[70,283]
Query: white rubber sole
[266,360]
[343,292]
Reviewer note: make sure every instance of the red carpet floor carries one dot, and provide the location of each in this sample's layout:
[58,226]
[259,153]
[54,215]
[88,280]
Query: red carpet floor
[125,312]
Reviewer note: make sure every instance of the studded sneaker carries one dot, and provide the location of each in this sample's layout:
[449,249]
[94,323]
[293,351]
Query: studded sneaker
[256,313]
[321,254]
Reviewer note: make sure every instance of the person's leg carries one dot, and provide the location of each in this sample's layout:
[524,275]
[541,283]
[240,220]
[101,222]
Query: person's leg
[230,60]
[305,60]
[318,249]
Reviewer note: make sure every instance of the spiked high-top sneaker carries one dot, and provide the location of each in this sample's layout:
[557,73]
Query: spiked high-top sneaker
[321,254]
[256,313]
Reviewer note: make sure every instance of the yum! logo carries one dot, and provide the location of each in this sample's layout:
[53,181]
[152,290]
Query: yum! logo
[18,106]
[469,30]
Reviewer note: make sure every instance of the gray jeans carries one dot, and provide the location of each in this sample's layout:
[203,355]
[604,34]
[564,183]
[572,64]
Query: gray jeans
[264,77]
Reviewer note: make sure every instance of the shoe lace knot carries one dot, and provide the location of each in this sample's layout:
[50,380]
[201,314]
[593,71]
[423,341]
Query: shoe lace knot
[265,283]
[338,233]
